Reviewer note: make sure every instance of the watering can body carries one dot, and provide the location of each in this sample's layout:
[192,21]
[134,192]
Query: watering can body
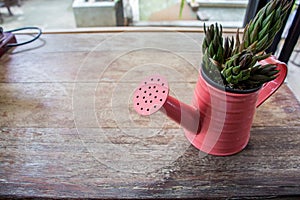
[219,120]
[226,119]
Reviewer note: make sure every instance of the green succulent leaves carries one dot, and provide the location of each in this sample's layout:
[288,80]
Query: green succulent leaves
[234,62]
[265,25]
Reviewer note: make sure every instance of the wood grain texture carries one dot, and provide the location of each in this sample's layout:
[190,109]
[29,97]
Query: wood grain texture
[68,130]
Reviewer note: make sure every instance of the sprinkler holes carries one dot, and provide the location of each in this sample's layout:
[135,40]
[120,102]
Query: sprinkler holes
[155,97]
[147,109]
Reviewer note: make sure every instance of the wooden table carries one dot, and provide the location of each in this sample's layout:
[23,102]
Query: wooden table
[68,129]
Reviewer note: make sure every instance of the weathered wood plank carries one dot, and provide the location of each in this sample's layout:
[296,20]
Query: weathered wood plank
[129,66]
[110,105]
[59,163]
[68,129]
[278,109]
[36,105]
[123,41]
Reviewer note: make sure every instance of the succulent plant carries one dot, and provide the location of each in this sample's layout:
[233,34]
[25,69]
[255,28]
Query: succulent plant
[234,62]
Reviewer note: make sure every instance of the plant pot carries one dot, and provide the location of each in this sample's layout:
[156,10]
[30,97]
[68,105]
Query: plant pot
[226,115]
[220,119]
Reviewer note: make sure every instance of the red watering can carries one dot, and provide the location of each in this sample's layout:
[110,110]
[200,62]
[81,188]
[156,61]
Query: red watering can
[219,120]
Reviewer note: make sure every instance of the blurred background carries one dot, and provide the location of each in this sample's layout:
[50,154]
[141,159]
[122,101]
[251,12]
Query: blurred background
[65,14]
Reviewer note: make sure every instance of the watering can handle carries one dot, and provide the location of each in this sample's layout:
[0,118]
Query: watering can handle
[269,88]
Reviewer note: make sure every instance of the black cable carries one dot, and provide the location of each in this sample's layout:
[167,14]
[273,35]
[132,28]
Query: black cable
[26,42]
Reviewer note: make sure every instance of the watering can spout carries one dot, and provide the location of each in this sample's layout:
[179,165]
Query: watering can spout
[152,95]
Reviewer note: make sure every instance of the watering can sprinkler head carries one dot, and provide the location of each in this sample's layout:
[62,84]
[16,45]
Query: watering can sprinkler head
[152,95]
